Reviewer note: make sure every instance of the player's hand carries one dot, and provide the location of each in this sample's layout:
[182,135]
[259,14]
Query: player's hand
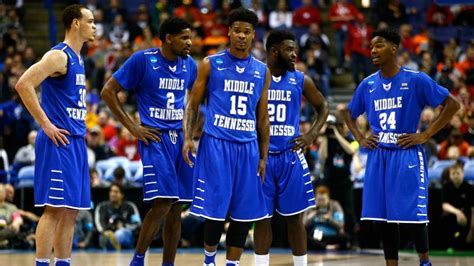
[188,146]
[57,135]
[146,133]
[461,218]
[370,142]
[302,142]
[408,140]
[262,164]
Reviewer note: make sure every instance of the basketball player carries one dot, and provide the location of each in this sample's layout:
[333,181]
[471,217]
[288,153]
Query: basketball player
[230,163]
[161,78]
[287,185]
[62,183]
[396,179]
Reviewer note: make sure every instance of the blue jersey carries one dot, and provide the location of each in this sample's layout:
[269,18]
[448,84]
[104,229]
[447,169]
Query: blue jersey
[63,98]
[160,84]
[233,92]
[393,106]
[284,104]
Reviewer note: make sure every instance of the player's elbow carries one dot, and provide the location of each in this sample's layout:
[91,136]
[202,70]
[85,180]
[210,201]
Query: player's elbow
[20,86]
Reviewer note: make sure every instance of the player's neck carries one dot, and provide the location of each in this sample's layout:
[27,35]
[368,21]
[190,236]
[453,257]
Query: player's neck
[168,54]
[275,69]
[75,42]
[238,53]
[389,70]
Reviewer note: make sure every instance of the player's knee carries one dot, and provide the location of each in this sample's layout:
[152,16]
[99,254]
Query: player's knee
[294,220]
[212,232]
[161,205]
[237,234]
[420,232]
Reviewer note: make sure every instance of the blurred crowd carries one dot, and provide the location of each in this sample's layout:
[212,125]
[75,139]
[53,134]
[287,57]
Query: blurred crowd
[334,40]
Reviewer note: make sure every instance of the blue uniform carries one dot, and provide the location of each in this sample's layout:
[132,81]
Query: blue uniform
[62,173]
[287,185]
[161,88]
[396,180]
[225,177]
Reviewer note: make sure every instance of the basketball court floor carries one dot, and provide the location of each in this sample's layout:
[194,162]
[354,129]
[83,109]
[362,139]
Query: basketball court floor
[189,257]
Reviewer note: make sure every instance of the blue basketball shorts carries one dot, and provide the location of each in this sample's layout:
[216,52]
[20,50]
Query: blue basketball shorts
[287,186]
[61,173]
[396,186]
[165,173]
[226,181]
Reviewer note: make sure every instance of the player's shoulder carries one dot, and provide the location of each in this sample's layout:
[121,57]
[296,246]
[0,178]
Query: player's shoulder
[258,62]
[189,60]
[414,75]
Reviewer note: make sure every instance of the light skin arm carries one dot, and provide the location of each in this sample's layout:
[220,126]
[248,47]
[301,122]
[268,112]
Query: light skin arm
[53,64]
[346,145]
[316,99]
[263,127]
[109,95]
[365,142]
[192,108]
[449,107]
[460,217]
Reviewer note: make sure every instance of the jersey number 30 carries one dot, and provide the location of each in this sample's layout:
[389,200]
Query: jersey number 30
[387,119]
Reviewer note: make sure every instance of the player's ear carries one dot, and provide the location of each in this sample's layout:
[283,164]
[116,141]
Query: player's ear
[168,38]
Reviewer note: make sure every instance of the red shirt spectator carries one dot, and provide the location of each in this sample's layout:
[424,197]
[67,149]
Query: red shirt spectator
[127,146]
[439,16]
[455,139]
[341,13]
[358,40]
[306,15]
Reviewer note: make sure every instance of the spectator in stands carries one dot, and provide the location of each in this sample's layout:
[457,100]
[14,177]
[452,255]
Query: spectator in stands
[101,26]
[468,63]
[439,16]
[127,145]
[405,60]
[325,223]
[318,67]
[119,33]
[117,220]
[357,48]
[391,11]
[95,141]
[96,181]
[455,139]
[341,13]
[426,64]
[141,22]
[113,10]
[313,36]
[26,154]
[306,14]
[406,42]
[188,12]
[83,230]
[469,135]
[119,177]
[421,41]
[336,151]
[108,125]
[10,220]
[281,18]
[458,210]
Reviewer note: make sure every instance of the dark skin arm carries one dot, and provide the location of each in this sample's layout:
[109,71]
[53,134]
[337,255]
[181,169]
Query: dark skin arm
[449,107]
[263,127]
[316,99]
[192,108]
[369,142]
[109,95]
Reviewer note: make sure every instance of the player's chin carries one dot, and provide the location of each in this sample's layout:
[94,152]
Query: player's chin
[91,38]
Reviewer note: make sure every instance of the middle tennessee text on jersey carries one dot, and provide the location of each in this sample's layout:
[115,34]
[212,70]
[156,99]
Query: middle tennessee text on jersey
[393,106]
[160,84]
[284,105]
[233,92]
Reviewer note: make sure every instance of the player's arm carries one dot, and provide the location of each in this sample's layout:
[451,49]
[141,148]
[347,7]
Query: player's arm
[449,107]
[109,95]
[263,126]
[191,113]
[53,63]
[366,142]
[316,99]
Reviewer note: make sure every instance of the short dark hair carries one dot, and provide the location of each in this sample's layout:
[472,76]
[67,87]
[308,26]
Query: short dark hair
[244,15]
[389,35]
[70,13]
[278,36]
[119,186]
[173,26]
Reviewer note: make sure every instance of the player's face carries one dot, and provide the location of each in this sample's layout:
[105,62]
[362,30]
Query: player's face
[87,25]
[241,35]
[381,50]
[287,54]
[181,43]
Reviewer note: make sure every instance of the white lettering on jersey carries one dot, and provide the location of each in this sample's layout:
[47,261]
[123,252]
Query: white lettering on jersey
[81,79]
[171,84]
[76,113]
[282,130]
[279,95]
[234,123]
[166,114]
[388,103]
[238,86]
[389,137]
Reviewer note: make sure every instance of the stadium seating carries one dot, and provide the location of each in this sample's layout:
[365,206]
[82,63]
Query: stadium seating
[436,170]
[26,176]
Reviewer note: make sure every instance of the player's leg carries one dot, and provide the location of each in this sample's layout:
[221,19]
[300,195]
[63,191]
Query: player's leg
[212,235]
[297,234]
[390,235]
[44,238]
[64,234]
[151,223]
[420,237]
[262,238]
[235,241]
[171,234]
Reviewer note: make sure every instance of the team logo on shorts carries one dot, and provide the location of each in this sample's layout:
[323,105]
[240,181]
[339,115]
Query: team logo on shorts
[173,136]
